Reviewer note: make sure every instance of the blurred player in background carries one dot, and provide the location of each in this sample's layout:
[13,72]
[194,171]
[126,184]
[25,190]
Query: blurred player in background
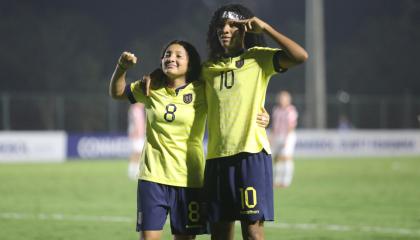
[283,139]
[136,134]
[238,175]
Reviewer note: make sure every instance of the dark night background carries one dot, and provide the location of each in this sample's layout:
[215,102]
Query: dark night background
[71,47]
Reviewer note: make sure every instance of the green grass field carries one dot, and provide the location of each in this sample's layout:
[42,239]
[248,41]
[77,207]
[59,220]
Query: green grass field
[364,198]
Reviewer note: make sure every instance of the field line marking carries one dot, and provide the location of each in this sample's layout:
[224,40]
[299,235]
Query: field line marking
[63,217]
[344,228]
[299,226]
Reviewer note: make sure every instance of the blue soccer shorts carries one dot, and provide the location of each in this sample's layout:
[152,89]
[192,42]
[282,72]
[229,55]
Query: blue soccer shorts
[184,206]
[239,187]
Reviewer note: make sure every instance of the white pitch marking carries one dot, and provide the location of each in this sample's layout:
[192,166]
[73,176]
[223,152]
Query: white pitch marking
[300,226]
[344,228]
[63,217]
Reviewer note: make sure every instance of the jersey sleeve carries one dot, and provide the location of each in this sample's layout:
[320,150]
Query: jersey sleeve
[268,59]
[134,92]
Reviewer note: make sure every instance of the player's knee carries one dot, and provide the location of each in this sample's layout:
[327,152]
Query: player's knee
[222,230]
[150,235]
[184,237]
[253,230]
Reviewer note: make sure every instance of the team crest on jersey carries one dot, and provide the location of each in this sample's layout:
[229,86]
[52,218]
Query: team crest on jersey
[188,98]
[240,63]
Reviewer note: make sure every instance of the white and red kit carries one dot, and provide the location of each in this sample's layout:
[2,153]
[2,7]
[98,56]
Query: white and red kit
[284,120]
[136,126]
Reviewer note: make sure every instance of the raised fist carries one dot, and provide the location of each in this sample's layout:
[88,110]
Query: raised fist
[127,60]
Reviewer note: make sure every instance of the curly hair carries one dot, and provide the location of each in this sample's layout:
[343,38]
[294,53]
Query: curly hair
[215,49]
[194,60]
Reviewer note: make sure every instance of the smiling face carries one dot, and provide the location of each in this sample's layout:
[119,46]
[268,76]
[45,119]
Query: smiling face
[175,61]
[230,35]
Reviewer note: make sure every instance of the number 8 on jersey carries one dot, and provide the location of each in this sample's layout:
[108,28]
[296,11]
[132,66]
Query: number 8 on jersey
[169,115]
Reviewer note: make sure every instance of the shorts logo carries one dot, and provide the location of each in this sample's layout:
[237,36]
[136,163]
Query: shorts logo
[139,218]
[188,98]
[240,63]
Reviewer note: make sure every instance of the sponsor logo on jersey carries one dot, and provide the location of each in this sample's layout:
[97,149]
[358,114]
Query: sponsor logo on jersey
[188,98]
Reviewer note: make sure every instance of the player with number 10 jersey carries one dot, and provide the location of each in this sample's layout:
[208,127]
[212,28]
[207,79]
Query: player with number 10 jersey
[236,89]
[238,171]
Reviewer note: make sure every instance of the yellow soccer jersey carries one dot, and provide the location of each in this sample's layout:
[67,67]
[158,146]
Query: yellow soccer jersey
[235,91]
[173,151]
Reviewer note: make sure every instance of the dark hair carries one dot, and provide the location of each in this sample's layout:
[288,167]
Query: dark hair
[194,60]
[215,49]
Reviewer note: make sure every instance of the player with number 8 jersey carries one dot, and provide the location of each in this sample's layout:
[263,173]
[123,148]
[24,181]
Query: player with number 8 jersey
[172,161]
[175,128]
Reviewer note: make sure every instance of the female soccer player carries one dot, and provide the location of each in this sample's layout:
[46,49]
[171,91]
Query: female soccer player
[238,173]
[172,164]
[283,139]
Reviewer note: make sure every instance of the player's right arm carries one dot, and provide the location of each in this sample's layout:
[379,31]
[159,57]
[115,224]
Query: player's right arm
[117,84]
[292,54]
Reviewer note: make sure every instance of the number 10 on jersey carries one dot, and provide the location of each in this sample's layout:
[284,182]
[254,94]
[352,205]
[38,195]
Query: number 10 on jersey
[227,80]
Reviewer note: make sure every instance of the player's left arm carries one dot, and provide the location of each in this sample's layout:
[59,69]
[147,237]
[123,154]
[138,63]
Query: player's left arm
[292,54]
